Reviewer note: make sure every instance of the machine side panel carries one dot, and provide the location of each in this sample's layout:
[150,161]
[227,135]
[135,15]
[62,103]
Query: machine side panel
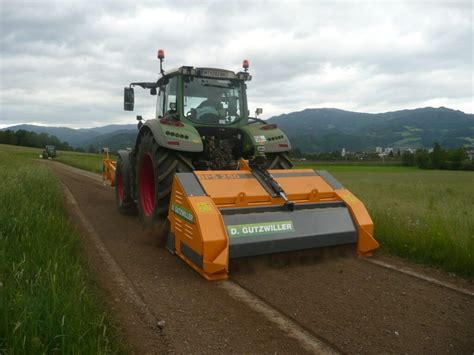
[199,232]
[274,232]
[366,243]
[331,180]
[191,184]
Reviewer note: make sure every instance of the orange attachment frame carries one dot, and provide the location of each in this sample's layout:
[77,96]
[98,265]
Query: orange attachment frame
[196,214]
[108,168]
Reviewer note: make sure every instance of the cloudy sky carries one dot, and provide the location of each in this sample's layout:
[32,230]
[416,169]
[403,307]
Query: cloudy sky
[65,63]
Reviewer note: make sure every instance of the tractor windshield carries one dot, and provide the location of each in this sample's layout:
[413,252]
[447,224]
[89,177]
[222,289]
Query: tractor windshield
[212,101]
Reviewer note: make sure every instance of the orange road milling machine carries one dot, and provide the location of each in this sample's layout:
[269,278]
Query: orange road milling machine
[223,180]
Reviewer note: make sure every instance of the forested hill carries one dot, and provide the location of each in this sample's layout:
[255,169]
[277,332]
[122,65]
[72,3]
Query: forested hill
[327,129]
[317,130]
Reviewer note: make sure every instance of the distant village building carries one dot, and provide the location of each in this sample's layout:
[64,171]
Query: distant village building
[470,154]
[343,152]
[378,150]
[388,150]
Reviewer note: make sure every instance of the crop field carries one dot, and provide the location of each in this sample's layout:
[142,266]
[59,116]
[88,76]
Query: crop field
[426,216]
[48,299]
[357,167]
[86,161]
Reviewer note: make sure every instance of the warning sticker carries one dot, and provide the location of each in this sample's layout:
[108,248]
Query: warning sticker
[260,139]
[254,229]
[182,212]
[204,207]
[350,198]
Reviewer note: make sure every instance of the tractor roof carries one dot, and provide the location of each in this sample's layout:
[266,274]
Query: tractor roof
[215,73]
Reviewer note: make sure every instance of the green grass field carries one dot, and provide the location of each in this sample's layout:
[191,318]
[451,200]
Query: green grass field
[86,161]
[351,167]
[426,216]
[49,301]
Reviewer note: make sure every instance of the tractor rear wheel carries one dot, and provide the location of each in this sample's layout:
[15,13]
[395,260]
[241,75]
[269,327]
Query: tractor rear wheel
[123,187]
[278,161]
[156,167]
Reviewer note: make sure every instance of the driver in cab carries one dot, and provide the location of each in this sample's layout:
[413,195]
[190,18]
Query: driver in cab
[210,110]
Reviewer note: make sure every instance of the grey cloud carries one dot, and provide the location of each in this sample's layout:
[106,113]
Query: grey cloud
[67,63]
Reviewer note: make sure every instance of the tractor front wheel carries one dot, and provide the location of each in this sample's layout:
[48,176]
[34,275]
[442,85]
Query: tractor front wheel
[156,167]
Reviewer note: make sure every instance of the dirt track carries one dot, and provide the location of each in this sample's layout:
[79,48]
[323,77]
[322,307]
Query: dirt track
[347,303]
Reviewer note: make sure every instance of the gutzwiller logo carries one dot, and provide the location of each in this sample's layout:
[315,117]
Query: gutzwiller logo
[254,229]
[183,213]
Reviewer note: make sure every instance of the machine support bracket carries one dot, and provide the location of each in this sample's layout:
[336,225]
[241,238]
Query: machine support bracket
[269,183]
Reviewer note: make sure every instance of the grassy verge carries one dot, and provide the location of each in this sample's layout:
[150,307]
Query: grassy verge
[426,216]
[366,167]
[48,299]
[90,162]
[423,216]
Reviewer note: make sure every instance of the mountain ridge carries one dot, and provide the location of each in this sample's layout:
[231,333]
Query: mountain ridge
[314,130]
[317,129]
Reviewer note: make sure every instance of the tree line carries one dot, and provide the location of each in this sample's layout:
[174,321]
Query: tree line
[439,158]
[32,139]
[297,154]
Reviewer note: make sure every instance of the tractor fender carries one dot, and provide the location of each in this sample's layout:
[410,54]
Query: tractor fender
[183,138]
[125,156]
[275,140]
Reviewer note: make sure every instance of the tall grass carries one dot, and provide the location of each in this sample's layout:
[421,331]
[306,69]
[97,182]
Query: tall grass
[423,216]
[85,161]
[367,167]
[48,299]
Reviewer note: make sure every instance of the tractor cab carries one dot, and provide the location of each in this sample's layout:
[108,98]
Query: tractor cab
[204,110]
[203,97]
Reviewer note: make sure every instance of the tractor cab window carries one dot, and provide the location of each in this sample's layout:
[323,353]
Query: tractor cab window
[212,101]
[159,102]
[170,94]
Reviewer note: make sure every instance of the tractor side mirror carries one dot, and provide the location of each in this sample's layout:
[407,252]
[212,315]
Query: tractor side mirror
[128,99]
[173,106]
[258,112]
[153,91]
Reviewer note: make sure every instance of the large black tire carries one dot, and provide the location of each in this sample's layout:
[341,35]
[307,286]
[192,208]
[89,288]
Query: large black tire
[123,186]
[278,161]
[156,167]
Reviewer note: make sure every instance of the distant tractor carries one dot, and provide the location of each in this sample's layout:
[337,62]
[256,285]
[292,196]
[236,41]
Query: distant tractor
[49,151]
[220,181]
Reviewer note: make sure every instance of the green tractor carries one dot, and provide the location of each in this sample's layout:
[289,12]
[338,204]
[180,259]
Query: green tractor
[202,122]
[49,151]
